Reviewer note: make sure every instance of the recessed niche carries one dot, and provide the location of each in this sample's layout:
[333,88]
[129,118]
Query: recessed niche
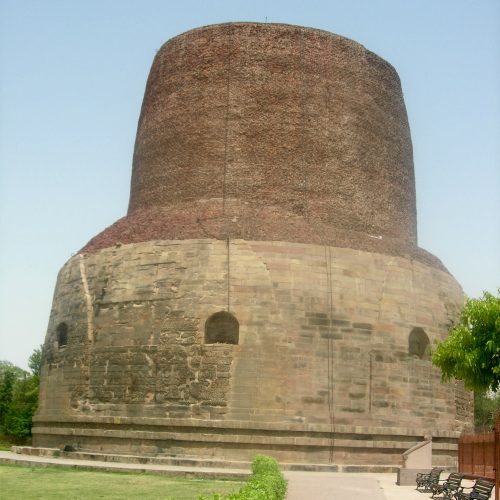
[418,343]
[222,328]
[62,334]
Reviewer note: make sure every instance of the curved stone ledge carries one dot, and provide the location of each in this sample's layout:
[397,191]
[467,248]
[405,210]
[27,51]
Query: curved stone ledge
[228,444]
[239,425]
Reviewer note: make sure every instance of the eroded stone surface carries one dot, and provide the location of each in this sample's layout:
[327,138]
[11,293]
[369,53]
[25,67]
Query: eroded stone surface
[323,340]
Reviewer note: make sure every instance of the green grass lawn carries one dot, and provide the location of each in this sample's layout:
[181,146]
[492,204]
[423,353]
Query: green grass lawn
[48,482]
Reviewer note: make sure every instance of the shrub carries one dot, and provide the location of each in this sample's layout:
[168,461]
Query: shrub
[267,482]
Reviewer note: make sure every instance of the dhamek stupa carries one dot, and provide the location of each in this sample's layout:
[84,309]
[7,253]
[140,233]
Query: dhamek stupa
[265,291]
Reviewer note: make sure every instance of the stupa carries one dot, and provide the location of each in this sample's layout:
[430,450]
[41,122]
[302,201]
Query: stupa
[265,291]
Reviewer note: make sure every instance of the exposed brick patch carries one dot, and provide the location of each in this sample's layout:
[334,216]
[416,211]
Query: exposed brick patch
[244,157]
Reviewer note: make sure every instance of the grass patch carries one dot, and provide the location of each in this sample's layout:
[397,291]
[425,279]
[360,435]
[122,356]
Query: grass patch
[25,483]
[6,442]
[4,446]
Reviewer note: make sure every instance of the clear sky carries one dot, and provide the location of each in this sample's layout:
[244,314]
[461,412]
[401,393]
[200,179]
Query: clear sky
[72,77]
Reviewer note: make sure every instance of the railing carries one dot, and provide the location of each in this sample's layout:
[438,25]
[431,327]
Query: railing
[479,455]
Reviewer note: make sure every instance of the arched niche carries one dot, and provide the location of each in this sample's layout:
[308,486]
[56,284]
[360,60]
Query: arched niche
[222,328]
[62,334]
[418,343]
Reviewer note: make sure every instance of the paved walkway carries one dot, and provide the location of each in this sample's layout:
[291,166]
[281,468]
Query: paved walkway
[350,486]
[301,485]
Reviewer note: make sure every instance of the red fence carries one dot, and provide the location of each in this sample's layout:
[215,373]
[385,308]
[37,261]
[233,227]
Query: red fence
[497,458]
[479,455]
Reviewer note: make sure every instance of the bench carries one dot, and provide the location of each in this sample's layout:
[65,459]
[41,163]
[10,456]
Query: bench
[449,487]
[481,490]
[425,481]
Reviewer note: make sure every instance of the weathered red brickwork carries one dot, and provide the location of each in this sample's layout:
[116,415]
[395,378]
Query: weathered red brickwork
[300,131]
[205,218]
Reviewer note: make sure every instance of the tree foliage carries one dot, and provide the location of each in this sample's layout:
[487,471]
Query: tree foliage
[9,376]
[19,396]
[472,351]
[486,409]
[35,361]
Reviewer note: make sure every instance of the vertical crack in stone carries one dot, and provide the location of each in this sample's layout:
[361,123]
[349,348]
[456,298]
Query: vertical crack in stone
[88,300]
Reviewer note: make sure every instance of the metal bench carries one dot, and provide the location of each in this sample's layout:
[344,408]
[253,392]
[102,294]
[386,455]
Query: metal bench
[425,481]
[449,487]
[481,490]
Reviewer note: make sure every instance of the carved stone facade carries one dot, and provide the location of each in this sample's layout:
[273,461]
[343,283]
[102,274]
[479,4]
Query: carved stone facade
[253,318]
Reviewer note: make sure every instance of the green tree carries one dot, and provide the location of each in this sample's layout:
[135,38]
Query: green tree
[486,408]
[472,351]
[9,375]
[22,407]
[19,396]
[6,386]
[35,361]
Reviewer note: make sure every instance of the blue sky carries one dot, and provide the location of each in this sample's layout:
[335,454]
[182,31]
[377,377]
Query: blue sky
[72,77]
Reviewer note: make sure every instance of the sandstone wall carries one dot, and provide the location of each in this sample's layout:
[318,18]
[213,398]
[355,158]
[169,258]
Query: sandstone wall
[323,351]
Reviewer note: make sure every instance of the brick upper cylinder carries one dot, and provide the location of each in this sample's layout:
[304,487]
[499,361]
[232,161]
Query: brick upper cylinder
[296,120]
